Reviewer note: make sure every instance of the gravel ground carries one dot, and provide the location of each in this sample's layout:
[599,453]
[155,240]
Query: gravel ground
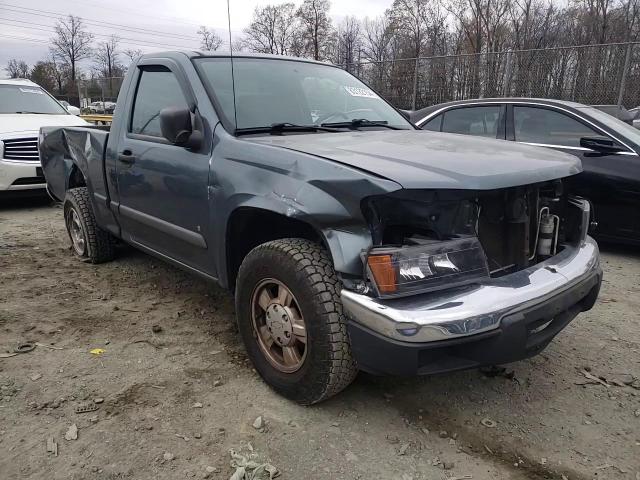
[175,393]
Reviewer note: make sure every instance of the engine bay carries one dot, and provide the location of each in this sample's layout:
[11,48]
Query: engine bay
[517,227]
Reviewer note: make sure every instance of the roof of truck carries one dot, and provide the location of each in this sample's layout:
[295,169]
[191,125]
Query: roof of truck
[17,81]
[226,54]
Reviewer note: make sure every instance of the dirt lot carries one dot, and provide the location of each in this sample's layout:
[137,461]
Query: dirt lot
[175,401]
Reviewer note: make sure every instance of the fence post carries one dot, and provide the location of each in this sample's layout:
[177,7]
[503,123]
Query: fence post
[414,97]
[625,72]
[79,85]
[506,87]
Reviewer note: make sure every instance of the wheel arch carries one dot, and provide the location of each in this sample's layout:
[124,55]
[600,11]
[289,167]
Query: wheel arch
[76,178]
[249,226]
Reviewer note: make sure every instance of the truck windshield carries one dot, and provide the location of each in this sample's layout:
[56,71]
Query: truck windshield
[28,99]
[276,91]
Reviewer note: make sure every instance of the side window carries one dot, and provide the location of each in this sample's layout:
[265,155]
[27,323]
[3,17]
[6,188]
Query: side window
[158,88]
[479,121]
[434,124]
[541,125]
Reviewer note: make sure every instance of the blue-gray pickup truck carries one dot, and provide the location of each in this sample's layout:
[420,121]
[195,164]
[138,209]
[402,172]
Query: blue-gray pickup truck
[350,239]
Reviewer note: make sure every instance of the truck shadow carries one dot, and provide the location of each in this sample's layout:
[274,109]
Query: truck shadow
[25,202]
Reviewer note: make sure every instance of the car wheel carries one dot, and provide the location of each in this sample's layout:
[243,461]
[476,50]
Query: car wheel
[88,241]
[291,321]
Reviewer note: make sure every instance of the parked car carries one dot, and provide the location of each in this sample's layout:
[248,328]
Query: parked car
[24,108]
[609,149]
[353,241]
[70,108]
[101,107]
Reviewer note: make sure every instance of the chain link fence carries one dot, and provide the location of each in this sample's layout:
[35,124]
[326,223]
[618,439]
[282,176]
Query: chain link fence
[593,74]
[103,90]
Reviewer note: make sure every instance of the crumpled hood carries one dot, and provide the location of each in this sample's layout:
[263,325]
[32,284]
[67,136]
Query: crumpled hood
[11,125]
[424,159]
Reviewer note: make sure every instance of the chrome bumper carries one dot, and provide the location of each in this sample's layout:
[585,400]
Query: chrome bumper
[479,308]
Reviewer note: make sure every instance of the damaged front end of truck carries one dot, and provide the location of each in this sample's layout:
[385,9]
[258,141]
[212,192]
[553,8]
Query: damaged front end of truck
[457,279]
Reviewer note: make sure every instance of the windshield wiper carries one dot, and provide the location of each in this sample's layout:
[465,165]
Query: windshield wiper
[36,113]
[360,122]
[280,128]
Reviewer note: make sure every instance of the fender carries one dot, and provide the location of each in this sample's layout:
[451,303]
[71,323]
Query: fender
[318,192]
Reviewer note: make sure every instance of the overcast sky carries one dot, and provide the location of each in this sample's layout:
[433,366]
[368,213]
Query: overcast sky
[26,25]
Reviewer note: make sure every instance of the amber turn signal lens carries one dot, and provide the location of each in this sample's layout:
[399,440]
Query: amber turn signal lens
[383,273]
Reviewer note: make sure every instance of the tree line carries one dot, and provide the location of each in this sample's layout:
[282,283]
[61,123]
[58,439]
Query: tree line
[382,50]
[458,38]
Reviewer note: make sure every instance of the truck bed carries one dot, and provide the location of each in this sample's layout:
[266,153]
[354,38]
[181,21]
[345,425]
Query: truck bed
[63,150]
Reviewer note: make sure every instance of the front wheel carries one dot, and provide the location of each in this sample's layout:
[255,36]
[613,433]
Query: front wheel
[291,321]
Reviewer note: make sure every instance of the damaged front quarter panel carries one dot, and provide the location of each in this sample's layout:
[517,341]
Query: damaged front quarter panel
[321,193]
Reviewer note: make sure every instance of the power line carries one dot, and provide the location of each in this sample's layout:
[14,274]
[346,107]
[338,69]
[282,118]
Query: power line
[48,28]
[24,39]
[48,42]
[99,23]
[141,12]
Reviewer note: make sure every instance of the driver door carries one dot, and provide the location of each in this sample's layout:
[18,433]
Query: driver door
[164,203]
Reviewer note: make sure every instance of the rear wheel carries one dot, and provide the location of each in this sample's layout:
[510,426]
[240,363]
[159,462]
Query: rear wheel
[88,241]
[290,318]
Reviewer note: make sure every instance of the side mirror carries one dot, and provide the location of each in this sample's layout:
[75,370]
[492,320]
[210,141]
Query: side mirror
[176,126]
[601,145]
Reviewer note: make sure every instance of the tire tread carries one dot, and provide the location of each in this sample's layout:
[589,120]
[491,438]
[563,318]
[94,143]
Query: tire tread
[339,369]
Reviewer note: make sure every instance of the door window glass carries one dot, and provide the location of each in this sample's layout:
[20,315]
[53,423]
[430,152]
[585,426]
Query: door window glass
[157,89]
[479,121]
[541,125]
[434,124]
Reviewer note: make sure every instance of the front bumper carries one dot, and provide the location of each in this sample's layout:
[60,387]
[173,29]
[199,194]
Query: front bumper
[503,320]
[17,176]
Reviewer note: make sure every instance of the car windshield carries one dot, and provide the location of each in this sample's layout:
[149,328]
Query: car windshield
[612,122]
[276,91]
[28,99]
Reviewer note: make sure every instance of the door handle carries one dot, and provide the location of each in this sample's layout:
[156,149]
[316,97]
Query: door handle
[127,157]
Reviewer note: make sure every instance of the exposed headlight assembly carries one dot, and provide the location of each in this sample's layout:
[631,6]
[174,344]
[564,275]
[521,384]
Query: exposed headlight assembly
[425,268]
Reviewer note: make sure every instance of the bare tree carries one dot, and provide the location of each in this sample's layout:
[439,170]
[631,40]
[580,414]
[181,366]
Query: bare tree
[17,68]
[72,42]
[272,29]
[106,57]
[349,44]
[377,37]
[375,46]
[316,28]
[209,39]
[106,62]
[59,70]
[133,53]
